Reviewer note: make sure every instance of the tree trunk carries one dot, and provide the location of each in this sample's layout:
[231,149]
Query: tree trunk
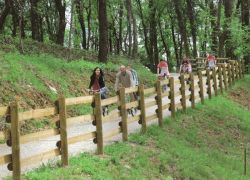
[154,53]
[71,30]
[174,41]
[182,25]
[35,20]
[191,16]
[129,28]
[145,31]
[103,31]
[89,13]
[119,43]
[228,16]
[213,13]
[79,10]
[165,45]
[4,14]
[61,7]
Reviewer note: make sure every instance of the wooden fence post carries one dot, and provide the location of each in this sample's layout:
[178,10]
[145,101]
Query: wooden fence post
[124,114]
[215,85]
[237,70]
[63,131]
[98,119]
[229,74]
[15,141]
[225,79]
[143,121]
[192,98]
[159,103]
[201,92]
[233,72]
[183,92]
[209,84]
[240,68]
[220,78]
[172,96]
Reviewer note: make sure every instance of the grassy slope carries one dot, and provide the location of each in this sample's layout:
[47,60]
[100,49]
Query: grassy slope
[203,143]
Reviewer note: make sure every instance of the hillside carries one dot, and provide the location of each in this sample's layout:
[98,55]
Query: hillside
[37,77]
[204,143]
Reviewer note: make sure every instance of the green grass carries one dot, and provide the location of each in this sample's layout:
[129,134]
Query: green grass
[203,143]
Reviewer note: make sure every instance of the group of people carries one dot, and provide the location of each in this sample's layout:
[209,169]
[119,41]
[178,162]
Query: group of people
[128,77]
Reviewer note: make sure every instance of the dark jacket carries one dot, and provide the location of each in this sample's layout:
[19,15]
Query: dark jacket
[101,81]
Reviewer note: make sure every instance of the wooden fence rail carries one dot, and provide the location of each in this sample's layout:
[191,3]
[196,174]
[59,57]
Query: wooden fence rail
[190,87]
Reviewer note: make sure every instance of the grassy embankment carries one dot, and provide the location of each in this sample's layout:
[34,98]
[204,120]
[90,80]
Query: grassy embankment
[203,143]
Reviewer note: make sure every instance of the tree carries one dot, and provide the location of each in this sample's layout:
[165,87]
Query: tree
[4,14]
[103,31]
[35,18]
[61,7]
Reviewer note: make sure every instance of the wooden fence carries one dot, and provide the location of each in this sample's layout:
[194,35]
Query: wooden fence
[190,88]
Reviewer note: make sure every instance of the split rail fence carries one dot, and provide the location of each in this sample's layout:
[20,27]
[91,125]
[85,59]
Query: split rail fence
[191,87]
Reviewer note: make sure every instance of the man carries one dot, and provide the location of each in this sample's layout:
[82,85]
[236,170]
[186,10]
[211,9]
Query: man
[124,79]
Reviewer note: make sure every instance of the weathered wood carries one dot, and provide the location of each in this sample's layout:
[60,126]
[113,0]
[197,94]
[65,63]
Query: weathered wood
[81,137]
[80,119]
[131,90]
[112,100]
[209,91]
[201,86]
[240,68]
[4,111]
[142,107]
[151,117]
[177,93]
[15,140]
[203,72]
[5,159]
[63,131]
[165,94]
[112,133]
[172,96]
[233,72]
[149,90]
[183,92]
[229,70]
[38,135]
[192,90]
[113,116]
[133,119]
[159,103]
[79,100]
[166,106]
[178,106]
[37,113]
[164,82]
[177,82]
[220,78]
[98,119]
[225,79]
[150,104]
[124,114]
[215,83]
[132,104]
[40,157]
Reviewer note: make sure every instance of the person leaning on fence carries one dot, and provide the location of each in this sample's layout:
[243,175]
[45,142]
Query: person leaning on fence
[97,84]
[210,61]
[124,79]
[186,66]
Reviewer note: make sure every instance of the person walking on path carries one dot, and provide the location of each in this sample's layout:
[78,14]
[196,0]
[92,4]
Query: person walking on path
[210,61]
[124,79]
[135,79]
[163,72]
[97,84]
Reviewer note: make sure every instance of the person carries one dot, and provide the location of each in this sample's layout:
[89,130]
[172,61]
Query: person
[162,69]
[210,61]
[135,82]
[163,72]
[124,79]
[97,84]
[185,66]
[135,79]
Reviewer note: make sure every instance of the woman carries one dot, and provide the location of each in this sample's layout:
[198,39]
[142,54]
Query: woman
[185,66]
[97,83]
[211,61]
[162,69]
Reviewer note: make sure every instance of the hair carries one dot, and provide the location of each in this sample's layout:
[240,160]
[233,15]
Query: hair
[101,72]
[185,61]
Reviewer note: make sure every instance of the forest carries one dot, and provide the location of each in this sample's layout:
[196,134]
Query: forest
[145,29]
